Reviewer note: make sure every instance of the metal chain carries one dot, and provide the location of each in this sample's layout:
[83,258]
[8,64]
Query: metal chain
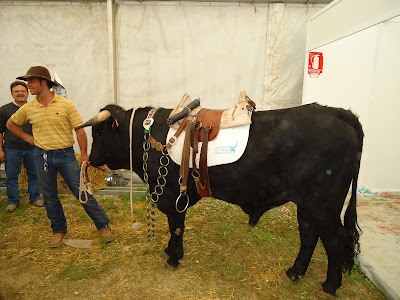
[150,204]
[152,198]
[151,224]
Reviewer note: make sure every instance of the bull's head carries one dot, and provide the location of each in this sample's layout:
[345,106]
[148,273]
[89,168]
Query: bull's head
[110,140]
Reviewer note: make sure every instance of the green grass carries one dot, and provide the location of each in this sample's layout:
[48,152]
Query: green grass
[224,258]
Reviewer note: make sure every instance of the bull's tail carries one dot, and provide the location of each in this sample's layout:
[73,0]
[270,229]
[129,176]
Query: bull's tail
[352,230]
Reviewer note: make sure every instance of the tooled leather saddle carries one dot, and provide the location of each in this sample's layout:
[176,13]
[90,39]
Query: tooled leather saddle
[203,125]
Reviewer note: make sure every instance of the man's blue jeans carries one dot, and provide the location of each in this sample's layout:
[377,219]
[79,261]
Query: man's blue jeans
[14,158]
[64,161]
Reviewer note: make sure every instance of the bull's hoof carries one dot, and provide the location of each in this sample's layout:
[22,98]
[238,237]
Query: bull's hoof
[252,224]
[173,262]
[329,288]
[293,276]
[168,267]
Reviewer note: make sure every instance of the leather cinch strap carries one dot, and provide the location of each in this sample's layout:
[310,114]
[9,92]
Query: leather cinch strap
[203,183]
[200,176]
[205,129]
[184,170]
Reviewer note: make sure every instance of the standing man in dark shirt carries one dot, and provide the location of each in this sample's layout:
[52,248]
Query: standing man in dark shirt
[14,150]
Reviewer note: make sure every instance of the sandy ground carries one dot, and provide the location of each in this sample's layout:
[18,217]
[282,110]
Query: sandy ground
[379,219]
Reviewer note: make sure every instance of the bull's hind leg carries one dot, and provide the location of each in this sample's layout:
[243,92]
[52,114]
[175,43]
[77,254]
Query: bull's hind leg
[332,236]
[308,239]
[175,244]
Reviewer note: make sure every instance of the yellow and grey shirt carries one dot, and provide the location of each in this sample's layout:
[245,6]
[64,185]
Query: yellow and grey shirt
[52,125]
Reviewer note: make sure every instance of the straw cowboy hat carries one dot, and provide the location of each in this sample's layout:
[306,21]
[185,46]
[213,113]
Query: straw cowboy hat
[38,72]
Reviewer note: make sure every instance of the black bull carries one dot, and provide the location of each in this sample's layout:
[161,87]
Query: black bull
[309,155]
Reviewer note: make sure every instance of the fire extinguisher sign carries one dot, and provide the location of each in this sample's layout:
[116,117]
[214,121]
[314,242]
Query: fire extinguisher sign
[315,63]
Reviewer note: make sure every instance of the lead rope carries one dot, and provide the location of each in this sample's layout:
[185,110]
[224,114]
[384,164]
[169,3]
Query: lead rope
[135,225]
[84,184]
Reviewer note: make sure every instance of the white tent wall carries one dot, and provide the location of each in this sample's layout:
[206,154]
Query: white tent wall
[162,50]
[360,73]
[70,39]
[284,50]
[212,51]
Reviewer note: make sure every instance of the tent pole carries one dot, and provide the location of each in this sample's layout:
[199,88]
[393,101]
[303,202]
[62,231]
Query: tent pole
[112,51]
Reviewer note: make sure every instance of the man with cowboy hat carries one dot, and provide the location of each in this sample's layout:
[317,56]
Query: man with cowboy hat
[14,151]
[53,117]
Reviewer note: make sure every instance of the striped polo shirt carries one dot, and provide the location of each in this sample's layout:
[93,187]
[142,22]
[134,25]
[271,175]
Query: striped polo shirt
[52,125]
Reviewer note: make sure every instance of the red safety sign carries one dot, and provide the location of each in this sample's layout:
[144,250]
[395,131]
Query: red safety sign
[315,63]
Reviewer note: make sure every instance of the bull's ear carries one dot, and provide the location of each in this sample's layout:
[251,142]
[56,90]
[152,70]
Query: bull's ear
[100,117]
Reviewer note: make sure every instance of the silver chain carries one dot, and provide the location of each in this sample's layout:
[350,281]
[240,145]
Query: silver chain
[153,197]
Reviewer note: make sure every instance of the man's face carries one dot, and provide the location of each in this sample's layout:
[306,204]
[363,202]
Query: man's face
[35,86]
[20,94]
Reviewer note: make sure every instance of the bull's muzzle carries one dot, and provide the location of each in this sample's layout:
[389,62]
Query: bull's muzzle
[100,117]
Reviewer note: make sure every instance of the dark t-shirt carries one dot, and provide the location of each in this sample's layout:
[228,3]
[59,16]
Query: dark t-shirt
[10,140]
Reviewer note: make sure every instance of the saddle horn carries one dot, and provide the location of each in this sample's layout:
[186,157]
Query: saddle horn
[100,117]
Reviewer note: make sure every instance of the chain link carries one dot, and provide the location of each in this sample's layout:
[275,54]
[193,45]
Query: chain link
[153,197]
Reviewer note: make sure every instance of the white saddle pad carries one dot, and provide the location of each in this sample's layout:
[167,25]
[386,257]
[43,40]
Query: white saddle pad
[227,147]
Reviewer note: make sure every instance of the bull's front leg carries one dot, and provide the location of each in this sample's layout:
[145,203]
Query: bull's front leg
[174,250]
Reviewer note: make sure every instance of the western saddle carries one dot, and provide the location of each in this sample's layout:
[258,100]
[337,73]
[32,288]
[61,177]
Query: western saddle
[203,125]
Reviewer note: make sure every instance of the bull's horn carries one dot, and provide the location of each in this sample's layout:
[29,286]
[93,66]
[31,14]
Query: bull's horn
[100,117]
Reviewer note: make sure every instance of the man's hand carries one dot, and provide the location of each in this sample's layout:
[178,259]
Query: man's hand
[2,156]
[30,139]
[84,157]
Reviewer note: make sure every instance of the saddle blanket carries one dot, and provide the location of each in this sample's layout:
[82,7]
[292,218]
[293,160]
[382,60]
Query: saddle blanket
[227,147]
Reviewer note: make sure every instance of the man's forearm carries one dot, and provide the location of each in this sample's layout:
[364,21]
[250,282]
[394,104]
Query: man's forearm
[82,140]
[2,154]
[1,141]
[17,131]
